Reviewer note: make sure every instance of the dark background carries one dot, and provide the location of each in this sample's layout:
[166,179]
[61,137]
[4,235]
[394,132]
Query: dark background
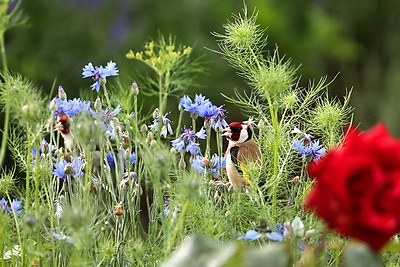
[358,39]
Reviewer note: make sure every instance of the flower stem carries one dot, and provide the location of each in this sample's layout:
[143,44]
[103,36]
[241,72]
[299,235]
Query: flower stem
[136,128]
[3,52]
[106,96]
[179,124]
[7,110]
[207,152]
[275,152]
[28,168]
[5,135]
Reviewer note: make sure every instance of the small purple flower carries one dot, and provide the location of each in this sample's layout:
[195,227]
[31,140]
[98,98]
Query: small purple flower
[187,141]
[99,74]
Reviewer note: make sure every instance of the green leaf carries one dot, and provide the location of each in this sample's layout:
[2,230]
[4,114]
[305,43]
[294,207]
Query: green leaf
[197,251]
[360,255]
[269,256]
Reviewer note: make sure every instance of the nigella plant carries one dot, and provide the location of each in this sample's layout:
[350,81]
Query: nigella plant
[99,74]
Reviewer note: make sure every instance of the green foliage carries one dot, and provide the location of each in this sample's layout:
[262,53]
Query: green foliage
[114,213]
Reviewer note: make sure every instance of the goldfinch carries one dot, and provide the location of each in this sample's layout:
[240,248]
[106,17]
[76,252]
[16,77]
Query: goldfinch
[242,149]
[64,126]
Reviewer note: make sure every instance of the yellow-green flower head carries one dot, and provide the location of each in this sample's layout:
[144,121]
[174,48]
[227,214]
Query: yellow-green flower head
[243,32]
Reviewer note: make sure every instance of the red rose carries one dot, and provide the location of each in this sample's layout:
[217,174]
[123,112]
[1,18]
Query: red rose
[357,187]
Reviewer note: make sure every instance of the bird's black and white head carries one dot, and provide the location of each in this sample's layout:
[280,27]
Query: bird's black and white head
[63,125]
[237,132]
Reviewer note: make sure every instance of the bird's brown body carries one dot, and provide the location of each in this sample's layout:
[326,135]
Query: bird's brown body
[241,150]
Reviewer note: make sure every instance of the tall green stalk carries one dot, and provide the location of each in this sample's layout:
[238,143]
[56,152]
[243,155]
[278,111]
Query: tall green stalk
[6,110]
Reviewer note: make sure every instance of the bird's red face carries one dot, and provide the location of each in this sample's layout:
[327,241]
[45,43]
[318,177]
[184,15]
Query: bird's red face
[63,125]
[233,131]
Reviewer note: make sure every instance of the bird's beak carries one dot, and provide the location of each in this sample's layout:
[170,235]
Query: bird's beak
[227,132]
[59,127]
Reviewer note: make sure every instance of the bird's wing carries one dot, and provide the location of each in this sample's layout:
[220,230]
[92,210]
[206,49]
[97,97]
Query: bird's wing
[239,155]
[234,153]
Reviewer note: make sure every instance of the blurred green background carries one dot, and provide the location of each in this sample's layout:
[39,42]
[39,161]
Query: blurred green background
[358,39]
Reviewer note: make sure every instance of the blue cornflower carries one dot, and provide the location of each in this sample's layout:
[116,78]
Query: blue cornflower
[207,110]
[3,203]
[16,205]
[312,150]
[64,168]
[250,235]
[198,163]
[73,107]
[193,106]
[253,235]
[110,159]
[187,141]
[274,236]
[217,162]
[104,119]
[70,107]
[280,228]
[130,156]
[167,209]
[68,239]
[36,151]
[59,169]
[99,74]
[218,121]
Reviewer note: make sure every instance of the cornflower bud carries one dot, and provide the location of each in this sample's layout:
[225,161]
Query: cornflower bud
[61,93]
[53,105]
[156,113]
[135,89]
[102,80]
[68,169]
[97,104]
